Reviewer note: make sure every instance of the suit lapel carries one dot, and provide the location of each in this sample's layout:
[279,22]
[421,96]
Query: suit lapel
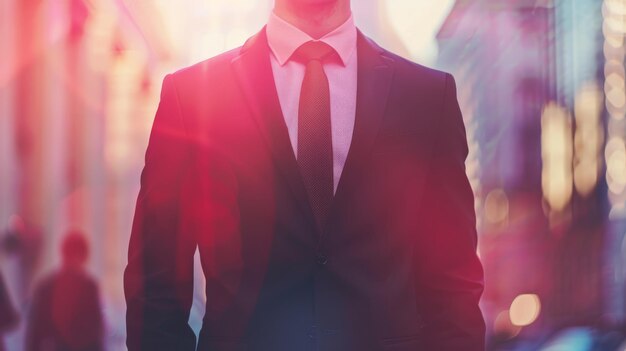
[254,73]
[375,72]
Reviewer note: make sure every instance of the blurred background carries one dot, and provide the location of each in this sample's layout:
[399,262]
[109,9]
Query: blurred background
[542,86]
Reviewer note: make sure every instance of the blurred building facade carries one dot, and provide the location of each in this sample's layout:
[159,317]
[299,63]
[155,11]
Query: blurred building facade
[542,94]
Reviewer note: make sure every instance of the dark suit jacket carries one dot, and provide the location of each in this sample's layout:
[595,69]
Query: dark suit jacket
[395,268]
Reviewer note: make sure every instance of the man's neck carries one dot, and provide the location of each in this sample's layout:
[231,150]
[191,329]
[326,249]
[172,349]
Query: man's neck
[315,20]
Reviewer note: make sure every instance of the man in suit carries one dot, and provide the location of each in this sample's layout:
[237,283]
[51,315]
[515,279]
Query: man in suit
[322,180]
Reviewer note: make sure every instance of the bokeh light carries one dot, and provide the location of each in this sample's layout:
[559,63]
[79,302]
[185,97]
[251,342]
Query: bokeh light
[556,146]
[504,326]
[496,206]
[525,309]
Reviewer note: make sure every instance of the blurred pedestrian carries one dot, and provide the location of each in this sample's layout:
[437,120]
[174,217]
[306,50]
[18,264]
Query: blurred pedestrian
[66,313]
[8,315]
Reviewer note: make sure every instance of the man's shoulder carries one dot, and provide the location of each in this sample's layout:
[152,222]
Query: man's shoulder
[416,71]
[207,68]
[410,76]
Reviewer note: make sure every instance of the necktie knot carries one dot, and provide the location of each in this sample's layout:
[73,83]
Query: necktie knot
[313,51]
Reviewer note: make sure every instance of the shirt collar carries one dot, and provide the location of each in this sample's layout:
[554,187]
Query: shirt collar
[284,38]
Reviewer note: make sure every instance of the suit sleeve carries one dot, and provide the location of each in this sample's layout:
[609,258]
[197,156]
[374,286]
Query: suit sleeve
[158,280]
[449,273]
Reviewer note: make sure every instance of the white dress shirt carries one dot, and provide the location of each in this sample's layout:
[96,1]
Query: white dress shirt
[284,39]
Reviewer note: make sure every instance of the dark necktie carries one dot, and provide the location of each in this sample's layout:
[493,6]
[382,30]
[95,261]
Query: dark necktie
[315,149]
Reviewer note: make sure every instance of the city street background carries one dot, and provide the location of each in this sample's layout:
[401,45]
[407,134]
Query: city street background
[542,87]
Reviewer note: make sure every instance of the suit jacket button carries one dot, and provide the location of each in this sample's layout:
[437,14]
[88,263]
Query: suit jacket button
[322,259]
